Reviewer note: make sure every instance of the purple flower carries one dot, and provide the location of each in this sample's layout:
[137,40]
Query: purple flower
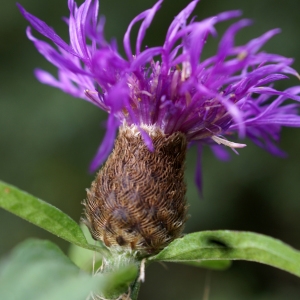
[169,87]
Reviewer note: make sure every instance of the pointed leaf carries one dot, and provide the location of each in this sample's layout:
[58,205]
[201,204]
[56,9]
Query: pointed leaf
[232,245]
[43,215]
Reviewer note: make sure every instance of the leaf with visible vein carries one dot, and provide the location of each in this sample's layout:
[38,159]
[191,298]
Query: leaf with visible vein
[43,215]
[232,245]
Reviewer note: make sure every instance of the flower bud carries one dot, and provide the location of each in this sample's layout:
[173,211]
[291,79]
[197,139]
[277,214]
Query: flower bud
[137,202]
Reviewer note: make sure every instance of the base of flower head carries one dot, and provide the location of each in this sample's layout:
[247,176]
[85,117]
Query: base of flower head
[137,201]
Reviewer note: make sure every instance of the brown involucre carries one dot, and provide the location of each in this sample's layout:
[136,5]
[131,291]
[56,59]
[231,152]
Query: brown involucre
[137,201]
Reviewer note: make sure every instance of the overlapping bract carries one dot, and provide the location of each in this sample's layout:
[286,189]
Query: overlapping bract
[169,86]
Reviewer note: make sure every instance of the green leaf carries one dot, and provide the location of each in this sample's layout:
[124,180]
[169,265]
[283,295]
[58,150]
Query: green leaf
[232,245]
[85,259]
[43,215]
[38,270]
[209,264]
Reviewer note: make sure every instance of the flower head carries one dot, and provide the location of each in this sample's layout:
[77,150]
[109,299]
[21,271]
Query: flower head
[169,88]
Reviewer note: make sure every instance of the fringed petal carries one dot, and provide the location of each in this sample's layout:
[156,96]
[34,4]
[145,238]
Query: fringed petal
[45,30]
[106,144]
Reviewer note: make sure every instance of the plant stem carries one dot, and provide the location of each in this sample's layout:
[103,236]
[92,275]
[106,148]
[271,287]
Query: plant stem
[118,261]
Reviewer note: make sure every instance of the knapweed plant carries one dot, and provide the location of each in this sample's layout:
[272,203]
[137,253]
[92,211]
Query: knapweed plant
[160,101]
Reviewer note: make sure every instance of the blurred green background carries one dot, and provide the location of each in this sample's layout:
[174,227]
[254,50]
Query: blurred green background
[48,139]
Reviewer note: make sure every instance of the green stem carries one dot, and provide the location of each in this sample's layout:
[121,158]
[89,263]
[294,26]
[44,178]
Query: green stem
[135,288]
[118,261]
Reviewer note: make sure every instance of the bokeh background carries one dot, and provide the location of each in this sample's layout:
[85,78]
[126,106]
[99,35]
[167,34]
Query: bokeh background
[47,140]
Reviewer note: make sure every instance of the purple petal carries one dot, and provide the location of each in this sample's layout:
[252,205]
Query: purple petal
[282,120]
[106,144]
[220,152]
[77,38]
[45,30]
[117,97]
[145,57]
[197,40]
[271,78]
[228,15]
[180,20]
[53,56]
[227,41]
[77,26]
[236,115]
[107,67]
[254,45]
[148,16]
[145,24]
